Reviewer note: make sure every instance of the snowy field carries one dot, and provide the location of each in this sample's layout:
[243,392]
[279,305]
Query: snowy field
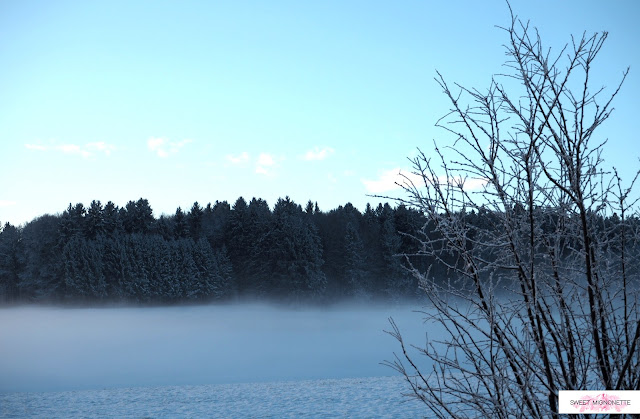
[243,360]
[374,397]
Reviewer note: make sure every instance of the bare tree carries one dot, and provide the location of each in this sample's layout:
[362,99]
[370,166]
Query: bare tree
[544,297]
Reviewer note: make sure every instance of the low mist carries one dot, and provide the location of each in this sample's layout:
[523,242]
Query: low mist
[56,349]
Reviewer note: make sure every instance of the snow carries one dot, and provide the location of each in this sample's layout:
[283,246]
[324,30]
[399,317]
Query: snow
[378,397]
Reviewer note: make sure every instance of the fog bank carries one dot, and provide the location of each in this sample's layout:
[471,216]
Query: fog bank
[55,349]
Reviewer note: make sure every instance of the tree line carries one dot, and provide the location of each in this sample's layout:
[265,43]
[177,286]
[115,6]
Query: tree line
[108,253]
[222,251]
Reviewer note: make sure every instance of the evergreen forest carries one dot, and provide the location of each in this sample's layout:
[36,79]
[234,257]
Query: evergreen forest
[104,253]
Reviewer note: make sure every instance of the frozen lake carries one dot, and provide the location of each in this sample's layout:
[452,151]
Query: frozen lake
[242,359]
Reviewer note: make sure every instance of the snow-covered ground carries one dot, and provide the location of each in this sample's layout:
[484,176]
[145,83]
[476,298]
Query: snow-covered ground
[242,360]
[372,397]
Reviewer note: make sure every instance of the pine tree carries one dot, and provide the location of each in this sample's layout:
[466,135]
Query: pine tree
[215,223]
[238,240]
[72,222]
[128,217]
[309,208]
[164,228]
[112,265]
[94,220]
[294,253]
[187,271]
[205,285]
[111,218]
[10,262]
[84,276]
[160,267]
[137,217]
[396,281]
[257,230]
[225,286]
[180,225]
[355,261]
[194,220]
[144,216]
[43,275]
[135,282]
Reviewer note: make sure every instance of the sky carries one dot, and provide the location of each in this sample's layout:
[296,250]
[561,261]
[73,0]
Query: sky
[206,101]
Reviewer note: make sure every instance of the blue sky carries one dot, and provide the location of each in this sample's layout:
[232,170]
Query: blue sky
[201,101]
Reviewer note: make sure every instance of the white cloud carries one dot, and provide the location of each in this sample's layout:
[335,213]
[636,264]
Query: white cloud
[176,146]
[157,146]
[85,151]
[266,162]
[240,159]
[102,147]
[266,159]
[387,180]
[5,203]
[74,149]
[36,147]
[318,153]
[164,148]
[390,180]
[155,143]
